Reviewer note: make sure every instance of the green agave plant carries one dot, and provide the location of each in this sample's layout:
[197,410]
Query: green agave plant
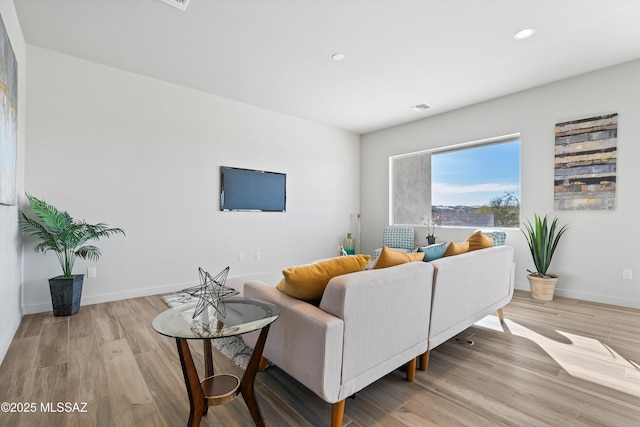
[543,237]
[60,233]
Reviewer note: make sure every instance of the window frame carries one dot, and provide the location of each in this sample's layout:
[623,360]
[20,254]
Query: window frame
[446,149]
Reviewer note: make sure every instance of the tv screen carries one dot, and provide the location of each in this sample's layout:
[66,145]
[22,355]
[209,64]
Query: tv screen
[252,190]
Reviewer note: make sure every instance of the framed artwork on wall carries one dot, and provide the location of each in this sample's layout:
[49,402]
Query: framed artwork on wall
[8,119]
[585,164]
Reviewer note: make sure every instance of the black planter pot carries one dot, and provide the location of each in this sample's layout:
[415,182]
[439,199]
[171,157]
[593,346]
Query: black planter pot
[65,294]
[431,240]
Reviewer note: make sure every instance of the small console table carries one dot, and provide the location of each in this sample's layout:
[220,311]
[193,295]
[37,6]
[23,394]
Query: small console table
[241,315]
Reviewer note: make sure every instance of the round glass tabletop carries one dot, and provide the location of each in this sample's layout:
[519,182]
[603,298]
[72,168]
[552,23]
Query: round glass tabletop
[233,316]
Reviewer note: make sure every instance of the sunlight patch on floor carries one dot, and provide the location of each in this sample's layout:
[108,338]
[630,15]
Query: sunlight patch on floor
[587,359]
[490,322]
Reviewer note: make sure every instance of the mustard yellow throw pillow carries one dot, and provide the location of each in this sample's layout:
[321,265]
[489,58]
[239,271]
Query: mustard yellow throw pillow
[390,257]
[457,248]
[479,241]
[307,282]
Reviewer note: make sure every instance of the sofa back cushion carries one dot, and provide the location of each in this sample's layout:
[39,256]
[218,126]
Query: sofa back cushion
[469,283]
[385,312]
[307,282]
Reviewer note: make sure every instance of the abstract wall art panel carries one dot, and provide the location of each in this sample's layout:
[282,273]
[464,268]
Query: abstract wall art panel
[8,119]
[585,164]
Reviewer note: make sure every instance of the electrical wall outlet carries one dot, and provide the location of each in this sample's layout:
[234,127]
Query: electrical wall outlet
[258,256]
[240,257]
[627,274]
[91,272]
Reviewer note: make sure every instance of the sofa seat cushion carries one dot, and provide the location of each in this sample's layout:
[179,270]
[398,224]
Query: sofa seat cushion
[390,257]
[307,282]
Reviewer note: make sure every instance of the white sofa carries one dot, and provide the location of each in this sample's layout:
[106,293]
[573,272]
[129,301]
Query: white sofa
[368,324]
[372,322]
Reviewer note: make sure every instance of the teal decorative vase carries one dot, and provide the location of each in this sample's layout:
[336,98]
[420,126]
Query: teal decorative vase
[349,244]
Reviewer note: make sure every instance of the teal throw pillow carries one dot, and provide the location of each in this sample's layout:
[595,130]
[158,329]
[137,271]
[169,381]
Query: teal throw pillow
[433,252]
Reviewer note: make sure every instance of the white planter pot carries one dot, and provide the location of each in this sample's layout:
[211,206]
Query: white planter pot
[542,288]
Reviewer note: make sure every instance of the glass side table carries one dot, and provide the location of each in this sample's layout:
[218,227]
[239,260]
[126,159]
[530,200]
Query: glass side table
[241,315]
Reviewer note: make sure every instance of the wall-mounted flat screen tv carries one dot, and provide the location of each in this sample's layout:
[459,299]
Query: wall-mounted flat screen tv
[252,190]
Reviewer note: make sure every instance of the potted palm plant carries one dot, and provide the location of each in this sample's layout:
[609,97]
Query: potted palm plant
[542,237]
[68,238]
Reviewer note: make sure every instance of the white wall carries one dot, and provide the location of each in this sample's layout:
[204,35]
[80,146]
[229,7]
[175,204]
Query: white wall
[144,155]
[599,244]
[10,238]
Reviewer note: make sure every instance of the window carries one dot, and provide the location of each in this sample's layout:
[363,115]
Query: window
[476,184]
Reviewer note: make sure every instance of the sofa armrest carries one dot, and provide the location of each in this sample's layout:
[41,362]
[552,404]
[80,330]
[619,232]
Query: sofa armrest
[304,341]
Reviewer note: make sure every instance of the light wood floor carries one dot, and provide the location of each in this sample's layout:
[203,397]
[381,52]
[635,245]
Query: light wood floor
[562,363]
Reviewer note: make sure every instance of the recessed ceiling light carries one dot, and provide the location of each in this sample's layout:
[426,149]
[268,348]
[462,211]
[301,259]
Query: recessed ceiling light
[420,107]
[525,33]
[337,56]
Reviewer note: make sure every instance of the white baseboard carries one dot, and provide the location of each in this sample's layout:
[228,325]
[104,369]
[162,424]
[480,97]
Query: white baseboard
[8,335]
[604,299]
[585,296]
[237,282]
[136,293]
[115,296]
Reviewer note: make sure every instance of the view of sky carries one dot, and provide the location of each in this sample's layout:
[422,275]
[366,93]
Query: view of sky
[475,176]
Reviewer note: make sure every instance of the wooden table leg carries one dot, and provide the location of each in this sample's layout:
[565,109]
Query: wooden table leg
[208,358]
[208,365]
[246,385]
[194,390]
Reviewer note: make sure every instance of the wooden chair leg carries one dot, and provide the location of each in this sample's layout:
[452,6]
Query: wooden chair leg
[263,364]
[500,314]
[411,369]
[424,360]
[337,413]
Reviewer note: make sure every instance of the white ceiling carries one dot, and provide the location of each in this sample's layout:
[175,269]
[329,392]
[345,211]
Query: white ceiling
[277,54]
